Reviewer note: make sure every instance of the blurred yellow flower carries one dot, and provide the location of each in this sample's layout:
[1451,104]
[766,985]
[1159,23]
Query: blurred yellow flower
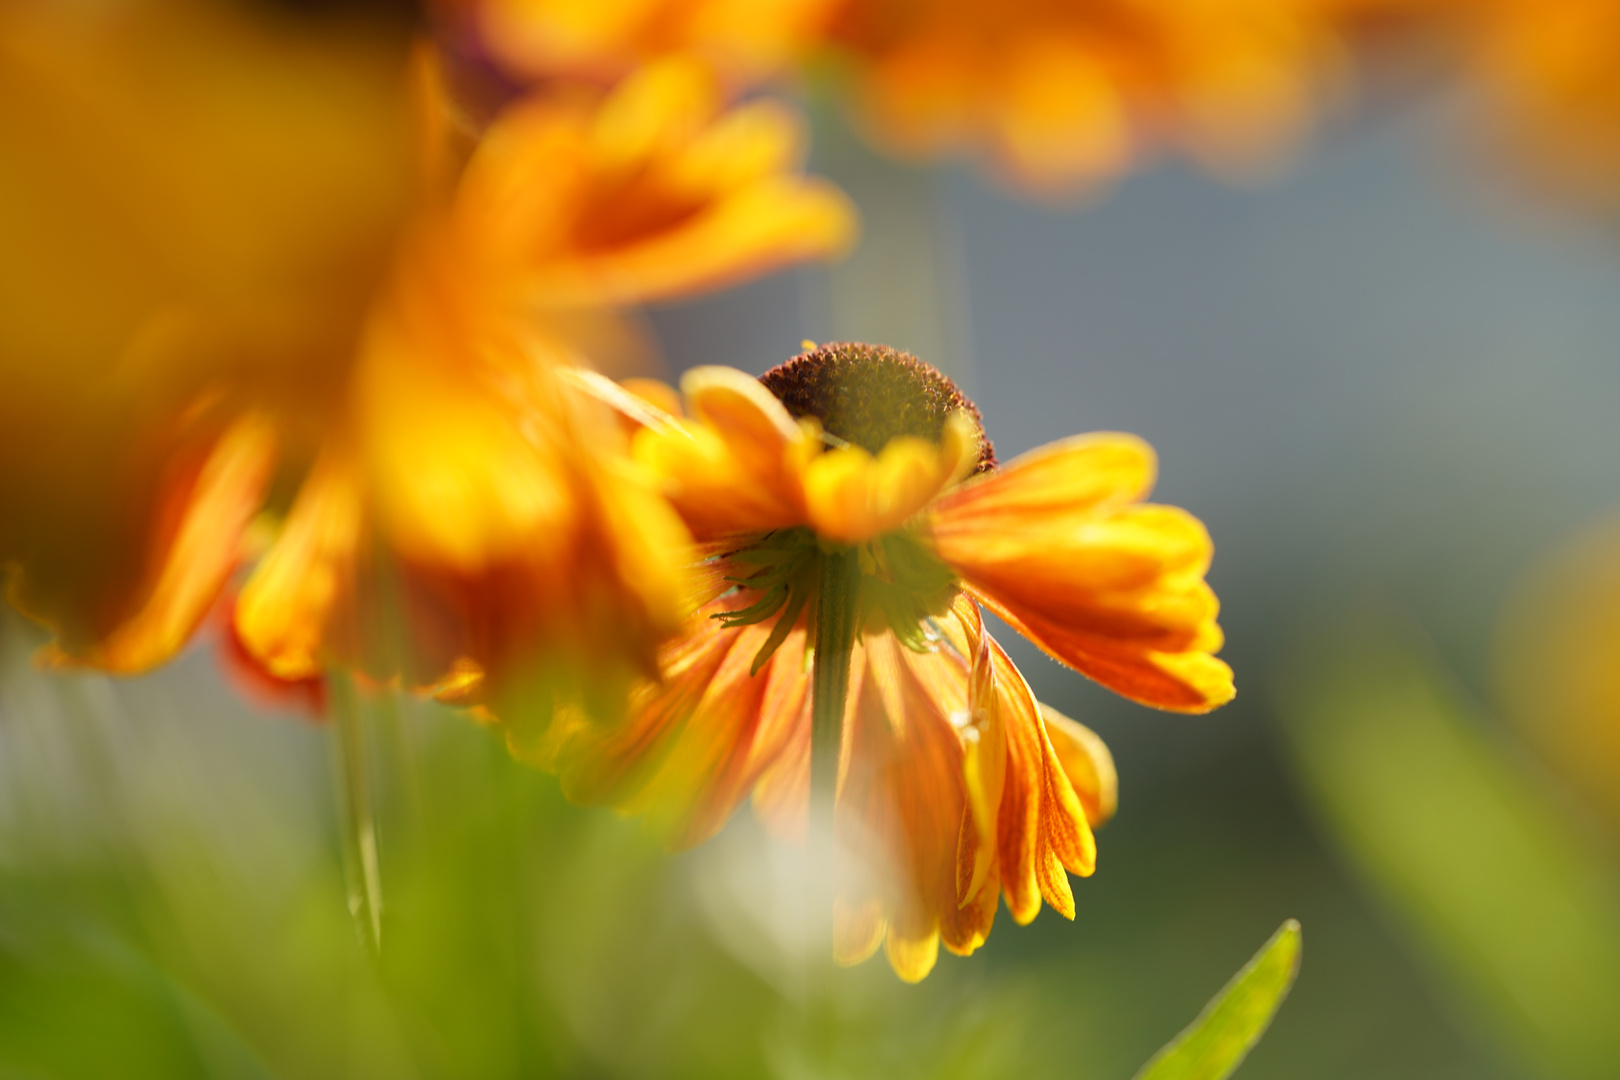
[393,354]
[854,486]
[1064,94]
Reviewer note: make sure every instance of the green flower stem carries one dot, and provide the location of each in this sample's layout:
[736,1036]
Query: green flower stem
[359,819]
[837,606]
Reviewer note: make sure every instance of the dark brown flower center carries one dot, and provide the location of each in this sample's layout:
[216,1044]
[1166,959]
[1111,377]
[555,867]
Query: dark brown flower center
[869,394]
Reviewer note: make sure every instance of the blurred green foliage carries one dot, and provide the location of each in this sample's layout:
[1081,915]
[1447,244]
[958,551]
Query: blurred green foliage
[1510,902]
[172,905]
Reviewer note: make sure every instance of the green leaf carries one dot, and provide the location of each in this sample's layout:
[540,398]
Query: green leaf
[1215,1044]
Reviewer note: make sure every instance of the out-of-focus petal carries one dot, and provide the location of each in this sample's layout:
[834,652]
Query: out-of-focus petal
[1064,95]
[650,191]
[857,930]
[452,473]
[739,467]
[853,496]
[193,561]
[901,799]
[745,40]
[286,610]
[749,232]
[696,741]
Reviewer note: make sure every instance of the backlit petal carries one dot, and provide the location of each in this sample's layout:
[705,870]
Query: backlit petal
[1076,473]
[1086,762]
[852,496]
[1042,830]
[195,561]
[737,466]
[1190,681]
[285,611]
[1111,587]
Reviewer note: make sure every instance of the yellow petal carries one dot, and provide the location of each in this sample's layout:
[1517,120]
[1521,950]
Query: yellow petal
[858,930]
[852,496]
[286,608]
[454,479]
[738,406]
[738,466]
[912,958]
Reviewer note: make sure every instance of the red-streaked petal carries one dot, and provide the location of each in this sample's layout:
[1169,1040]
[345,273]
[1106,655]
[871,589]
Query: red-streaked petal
[1190,681]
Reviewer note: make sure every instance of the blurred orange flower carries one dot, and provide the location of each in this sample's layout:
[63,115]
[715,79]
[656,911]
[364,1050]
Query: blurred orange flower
[603,40]
[949,773]
[1541,72]
[196,204]
[1060,94]
[1065,94]
[530,556]
[394,356]
[1550,74]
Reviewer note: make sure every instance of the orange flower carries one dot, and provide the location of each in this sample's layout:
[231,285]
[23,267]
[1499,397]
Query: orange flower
[603,40]
[1064,94]
[195,202]
[1542,73]
[1550,74]
[858,521]
[278,314]
[532,559]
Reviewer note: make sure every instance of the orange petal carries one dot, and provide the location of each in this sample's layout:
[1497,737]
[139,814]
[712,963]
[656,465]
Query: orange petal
[900,805]
[1071,474]
[1113,589]
[690,751]
[1042,828]
[745,234]
[738,468]
[966,928]
[1191,681]
[198,558]
[286,608]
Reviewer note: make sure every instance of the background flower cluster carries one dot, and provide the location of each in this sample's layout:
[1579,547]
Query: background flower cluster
[292,299]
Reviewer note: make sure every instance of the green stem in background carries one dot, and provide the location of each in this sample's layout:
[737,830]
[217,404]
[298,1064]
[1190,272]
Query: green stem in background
[836,613]
[359,819]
